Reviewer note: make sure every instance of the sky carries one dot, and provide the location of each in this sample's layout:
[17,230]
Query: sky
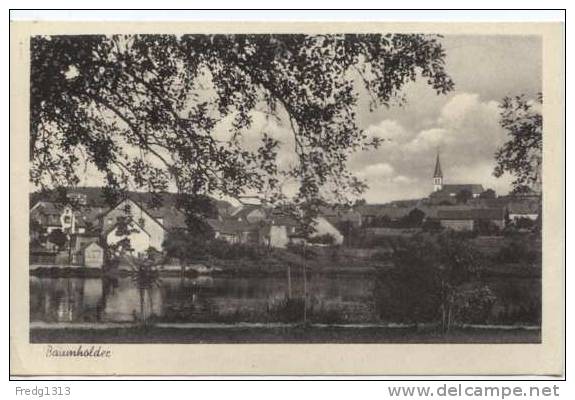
[462,125]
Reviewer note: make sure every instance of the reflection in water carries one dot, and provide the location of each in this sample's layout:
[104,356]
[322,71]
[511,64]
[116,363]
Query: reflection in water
[205,299]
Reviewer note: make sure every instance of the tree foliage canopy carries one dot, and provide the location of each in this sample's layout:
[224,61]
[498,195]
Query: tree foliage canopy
[521,155]
[143,109]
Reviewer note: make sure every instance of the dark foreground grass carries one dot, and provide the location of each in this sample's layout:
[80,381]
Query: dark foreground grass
[281,335]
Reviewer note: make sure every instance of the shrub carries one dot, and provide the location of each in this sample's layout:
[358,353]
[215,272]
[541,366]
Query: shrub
[327,239]
[486,228]
[524,223]
[474,305]
[431,225]
[381,256]
[518,252]
[287,309]
[220,248]
[301,250]
[58,238]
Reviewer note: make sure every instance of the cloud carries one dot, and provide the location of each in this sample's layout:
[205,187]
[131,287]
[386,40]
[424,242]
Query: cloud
[387,130]
[466,131]
[377,171]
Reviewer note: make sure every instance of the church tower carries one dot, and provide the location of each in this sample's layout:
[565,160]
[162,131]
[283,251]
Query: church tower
[437,176]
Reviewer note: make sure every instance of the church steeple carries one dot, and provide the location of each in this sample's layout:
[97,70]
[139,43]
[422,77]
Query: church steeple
[437,175]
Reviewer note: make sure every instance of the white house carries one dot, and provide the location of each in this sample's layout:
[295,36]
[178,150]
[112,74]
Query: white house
[523,209]
[93,255]
[139,226]
[324,227]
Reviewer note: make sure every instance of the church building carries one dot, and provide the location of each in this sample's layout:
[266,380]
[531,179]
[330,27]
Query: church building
[453,192]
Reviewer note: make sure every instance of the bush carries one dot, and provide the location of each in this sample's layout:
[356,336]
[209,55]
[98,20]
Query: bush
[58,238]
[381,256]
[524,314]
[524,223]
[220,248]
[326,239]
[473,306]
[287,309]
[301,250]
[432,225]
[518,252]
[486,228]
[291,310]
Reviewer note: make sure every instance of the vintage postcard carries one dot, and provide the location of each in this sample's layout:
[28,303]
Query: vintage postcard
[287,198]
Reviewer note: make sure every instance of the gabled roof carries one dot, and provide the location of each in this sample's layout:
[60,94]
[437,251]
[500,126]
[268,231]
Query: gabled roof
[474,188]
[231,226]
[171,217]
[47,208]
[131,221]
[84,246]
[95,197]
[381,210]
[246,210]
[140,207]
[523,207]
[472,214]
[283,220]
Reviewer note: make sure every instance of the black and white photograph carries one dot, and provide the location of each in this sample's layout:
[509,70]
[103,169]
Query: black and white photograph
[285,188]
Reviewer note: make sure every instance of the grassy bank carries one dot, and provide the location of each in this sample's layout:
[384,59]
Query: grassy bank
[292,334]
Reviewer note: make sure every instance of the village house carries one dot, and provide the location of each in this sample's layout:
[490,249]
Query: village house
[467,219]
[523,209]
[235,231]
[278,232]
[144,227]
[342,215]
[85,215]
[376,214]
[451,193]
[256,224]
[91,255]
[51,216]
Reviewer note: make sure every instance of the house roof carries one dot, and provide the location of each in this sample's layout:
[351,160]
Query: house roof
[54,211]
[95,197]
[432,211]
[231,226]
[245,210]
[455,188]
[84,246]
[171,217]
[380,210]
[472,214]
[113,227]
[524,207]
[283,220]
[46,207]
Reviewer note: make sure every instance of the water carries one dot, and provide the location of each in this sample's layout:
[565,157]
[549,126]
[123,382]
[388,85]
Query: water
[333,298]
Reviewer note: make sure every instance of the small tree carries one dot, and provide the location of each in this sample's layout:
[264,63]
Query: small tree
[413,220]
[524,223]
[184,246]
[37,232]
[437,272]
[327,239]
[488,194]
[58,237]
[463,196]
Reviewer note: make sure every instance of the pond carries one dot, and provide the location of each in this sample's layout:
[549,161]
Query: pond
[349,298]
